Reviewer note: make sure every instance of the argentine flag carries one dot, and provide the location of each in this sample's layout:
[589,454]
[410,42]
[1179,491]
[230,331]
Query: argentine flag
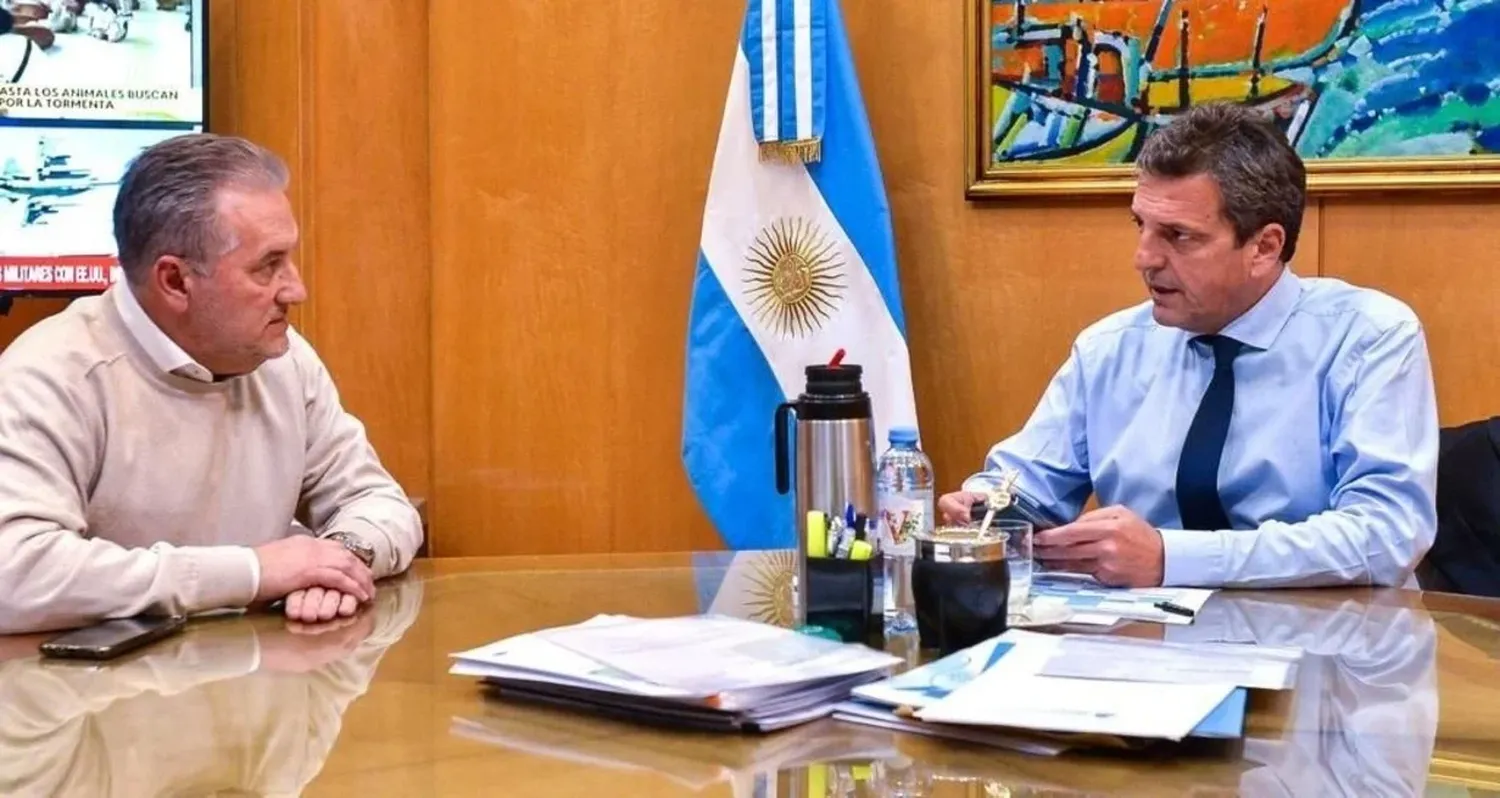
[795,263]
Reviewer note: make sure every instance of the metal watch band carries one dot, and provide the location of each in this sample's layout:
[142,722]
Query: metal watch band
[359,548]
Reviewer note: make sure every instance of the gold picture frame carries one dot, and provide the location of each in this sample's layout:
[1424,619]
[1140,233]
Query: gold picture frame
[987,178]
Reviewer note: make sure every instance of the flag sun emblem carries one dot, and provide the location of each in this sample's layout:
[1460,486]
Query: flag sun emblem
[794,277]
[770,597]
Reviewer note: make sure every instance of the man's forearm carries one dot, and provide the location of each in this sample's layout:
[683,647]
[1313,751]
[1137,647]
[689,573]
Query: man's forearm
[57,579]
[1337,547]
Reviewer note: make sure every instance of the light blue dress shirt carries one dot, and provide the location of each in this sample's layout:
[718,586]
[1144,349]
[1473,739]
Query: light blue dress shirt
[1329,473]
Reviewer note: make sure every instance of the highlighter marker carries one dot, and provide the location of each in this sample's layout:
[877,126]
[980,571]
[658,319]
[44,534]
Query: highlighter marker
[817,781]
[817,534]
[860,550]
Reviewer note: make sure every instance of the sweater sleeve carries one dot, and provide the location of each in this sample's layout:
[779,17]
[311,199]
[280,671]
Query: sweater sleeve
[54,575]
[344,486]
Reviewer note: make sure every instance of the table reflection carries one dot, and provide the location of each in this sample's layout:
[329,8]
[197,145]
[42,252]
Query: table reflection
[1361,720]
[249,706]
[230,707]
[694,760]
[1364,714]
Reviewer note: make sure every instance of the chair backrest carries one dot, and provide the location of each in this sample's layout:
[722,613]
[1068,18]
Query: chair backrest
[1465,557]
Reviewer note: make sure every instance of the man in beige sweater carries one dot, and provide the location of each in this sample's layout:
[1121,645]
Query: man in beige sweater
[157,442]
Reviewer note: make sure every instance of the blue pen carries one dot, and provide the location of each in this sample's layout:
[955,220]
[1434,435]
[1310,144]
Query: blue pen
[849,515]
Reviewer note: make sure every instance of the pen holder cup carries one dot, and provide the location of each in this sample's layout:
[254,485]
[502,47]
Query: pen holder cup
[961,584]
[841,596]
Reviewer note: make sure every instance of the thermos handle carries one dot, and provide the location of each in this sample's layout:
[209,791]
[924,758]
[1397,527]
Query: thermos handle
[784,412]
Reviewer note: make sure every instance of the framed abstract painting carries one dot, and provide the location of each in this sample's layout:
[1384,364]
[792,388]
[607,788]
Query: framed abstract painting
[1374,94]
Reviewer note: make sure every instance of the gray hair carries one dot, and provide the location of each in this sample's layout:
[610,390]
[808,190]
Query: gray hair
[1261,178]
[168,198]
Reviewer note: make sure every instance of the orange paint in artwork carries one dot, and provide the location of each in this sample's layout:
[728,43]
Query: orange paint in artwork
[1219,31]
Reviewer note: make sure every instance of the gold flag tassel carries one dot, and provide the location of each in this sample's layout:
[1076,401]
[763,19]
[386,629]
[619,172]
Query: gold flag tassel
[792,152]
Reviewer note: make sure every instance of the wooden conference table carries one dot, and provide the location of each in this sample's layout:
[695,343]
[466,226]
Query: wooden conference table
[1400,696]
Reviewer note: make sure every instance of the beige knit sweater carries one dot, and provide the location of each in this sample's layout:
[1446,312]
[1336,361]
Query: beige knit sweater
[126,489]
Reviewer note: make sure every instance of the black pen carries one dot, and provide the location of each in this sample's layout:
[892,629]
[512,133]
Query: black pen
[1176,609]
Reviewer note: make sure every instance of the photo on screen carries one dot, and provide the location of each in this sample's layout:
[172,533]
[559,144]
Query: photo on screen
[58,186]
[85,86]
[102,60]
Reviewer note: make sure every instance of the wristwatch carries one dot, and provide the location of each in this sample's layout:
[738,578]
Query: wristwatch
[359,548]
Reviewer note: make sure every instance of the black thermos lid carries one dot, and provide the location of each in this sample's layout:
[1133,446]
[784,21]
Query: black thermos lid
[834,393]
[834,380]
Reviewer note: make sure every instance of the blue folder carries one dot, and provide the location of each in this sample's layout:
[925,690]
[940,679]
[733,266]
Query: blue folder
[1227,721]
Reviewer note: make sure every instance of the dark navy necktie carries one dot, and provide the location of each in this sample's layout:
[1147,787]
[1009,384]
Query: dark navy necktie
[1198,469]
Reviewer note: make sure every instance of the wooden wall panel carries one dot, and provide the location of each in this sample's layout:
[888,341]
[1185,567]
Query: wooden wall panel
[1441,257]
[367,256]
[25,312]
[223,72]
[263,70]
[569,167]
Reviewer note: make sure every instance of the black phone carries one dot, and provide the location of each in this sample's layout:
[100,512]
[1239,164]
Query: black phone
[112,638]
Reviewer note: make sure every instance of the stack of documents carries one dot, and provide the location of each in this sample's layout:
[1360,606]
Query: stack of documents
[706,672]
[1005,689]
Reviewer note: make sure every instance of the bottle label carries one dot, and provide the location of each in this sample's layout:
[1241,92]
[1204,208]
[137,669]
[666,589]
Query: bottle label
[902,515]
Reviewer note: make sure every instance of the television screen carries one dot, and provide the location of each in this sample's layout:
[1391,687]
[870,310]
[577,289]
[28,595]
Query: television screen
[85,85]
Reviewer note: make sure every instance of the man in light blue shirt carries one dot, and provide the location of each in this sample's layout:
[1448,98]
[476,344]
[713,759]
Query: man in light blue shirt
[1245,427]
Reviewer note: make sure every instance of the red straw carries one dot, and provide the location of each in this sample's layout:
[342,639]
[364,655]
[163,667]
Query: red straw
[838,357]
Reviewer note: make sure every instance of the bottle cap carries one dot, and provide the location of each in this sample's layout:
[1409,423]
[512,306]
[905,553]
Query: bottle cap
[902,435]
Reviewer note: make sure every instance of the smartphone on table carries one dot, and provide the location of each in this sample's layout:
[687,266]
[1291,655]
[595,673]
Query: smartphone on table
[113,638]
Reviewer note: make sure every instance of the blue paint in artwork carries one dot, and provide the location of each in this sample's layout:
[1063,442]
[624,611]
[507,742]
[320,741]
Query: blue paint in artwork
[1414,79]
[1475,94]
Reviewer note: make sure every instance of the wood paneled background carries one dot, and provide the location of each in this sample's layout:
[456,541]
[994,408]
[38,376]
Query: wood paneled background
[501,206]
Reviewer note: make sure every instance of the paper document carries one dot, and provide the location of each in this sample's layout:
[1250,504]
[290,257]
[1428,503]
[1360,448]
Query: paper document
[1080,705]
[1133,660]
[1095,604]
[1131,709]
[714,653]
[533,656]
[1020,697]
[933,682]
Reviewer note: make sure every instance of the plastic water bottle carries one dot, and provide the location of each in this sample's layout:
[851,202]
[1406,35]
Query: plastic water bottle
[904,498]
